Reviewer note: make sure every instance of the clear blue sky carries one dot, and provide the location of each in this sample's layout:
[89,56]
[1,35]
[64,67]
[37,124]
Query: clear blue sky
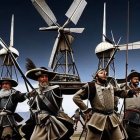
[32,43]
[38,45]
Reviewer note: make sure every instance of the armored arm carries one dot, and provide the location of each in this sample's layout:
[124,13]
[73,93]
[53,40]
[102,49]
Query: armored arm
[120,91]
[19,97]
[79,96]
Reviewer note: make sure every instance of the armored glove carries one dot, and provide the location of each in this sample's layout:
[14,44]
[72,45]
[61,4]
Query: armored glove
[131,93]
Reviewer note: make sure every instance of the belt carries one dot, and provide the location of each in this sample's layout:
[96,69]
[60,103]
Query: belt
[105,112]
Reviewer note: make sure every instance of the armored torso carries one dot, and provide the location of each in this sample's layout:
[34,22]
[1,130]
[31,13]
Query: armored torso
[133,107]
[48,100]
[6,101]
[104,98]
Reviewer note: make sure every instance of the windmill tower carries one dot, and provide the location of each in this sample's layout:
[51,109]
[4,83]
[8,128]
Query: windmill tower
[105,49]
[8,68]
[62,59]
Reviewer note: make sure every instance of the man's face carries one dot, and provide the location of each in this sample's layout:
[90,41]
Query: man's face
[102,75]
[6,85]
[43,80]
[135,80]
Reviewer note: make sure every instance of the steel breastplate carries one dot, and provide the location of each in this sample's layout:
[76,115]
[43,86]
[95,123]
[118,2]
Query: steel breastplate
[54,101]
[104,98]
[10,106]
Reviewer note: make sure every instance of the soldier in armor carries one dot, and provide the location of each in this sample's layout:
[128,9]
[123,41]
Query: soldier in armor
[132,112]
[45,102]
[104,123]
[9,98]
[77,118]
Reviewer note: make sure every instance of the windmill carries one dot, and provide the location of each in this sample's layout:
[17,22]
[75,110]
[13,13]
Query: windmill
[106,48]
[8,68]
[62,59]
[8,57]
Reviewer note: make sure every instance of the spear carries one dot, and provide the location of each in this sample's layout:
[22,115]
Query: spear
[126,65]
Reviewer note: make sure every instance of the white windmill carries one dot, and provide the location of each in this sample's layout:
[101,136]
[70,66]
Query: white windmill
[8,66]
[61,59]
[106,48]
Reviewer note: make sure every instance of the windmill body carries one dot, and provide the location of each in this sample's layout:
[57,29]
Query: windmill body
[62,59]
[8,68]
[106,49]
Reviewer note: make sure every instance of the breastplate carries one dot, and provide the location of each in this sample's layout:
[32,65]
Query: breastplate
[5,102]
[104,98]
[48,100]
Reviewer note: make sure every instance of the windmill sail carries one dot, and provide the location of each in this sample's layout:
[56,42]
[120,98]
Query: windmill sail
[104,23]
[74,30]
[54,51]
[12,32]
[75,10]
[44,11]
[131,46]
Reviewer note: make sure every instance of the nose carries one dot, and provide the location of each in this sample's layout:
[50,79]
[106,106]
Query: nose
[105,72]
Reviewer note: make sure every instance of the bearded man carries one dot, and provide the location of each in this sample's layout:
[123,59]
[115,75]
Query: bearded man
[104,123]
[132,112]
[45,103]
[9,99]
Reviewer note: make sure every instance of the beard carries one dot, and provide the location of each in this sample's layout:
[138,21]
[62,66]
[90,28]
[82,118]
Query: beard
[136,84]
[102,81]
[43,84]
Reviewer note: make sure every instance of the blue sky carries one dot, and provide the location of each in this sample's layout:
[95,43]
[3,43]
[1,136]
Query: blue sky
[37,45]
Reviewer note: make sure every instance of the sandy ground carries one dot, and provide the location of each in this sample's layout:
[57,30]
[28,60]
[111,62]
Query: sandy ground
[77,133]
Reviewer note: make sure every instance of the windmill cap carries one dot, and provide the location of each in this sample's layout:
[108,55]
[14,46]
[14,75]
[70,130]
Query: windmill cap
[7,79]
[35,73]
[133,73]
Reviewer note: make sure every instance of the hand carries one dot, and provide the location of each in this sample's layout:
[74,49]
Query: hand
[87,117]
[87,114]
[31,93]
[131,93]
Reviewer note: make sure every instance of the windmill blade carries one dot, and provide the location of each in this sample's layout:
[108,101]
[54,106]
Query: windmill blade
[113,37]
[54,51]
[45,11]
[131,46]
[52,28]
[12,32]
[74,30]
[104,23]
[5,49]
[3,44]
[108,40]
[75,11]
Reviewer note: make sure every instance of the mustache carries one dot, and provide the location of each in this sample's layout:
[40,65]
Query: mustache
[43,84]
